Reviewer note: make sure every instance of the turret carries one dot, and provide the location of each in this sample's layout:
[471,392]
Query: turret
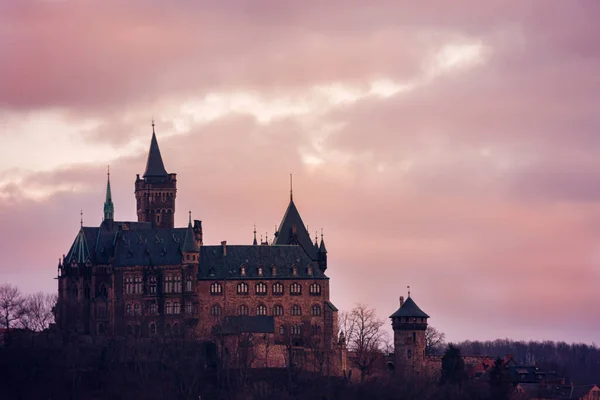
[190,247]
[322,254]
[109,208]
[409,323]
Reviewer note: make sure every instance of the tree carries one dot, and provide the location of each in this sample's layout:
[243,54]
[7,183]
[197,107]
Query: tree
[434,339]
[12,305]
[499,383]
[453,366]
[365,338]
[37,311]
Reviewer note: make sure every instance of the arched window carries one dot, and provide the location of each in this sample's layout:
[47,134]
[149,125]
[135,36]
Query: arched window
[137,281]
[152,328]
[277,289]
[243,310]
[278,310]
[152,285]
[153,309]
[273,270]
[128,310]
[168,283]
[242,288]
[216,288]
[168,309]
[261,309]
[128,284]
[168,329]
[177,283]
[137,309]
[243,270]
[315,289]
[294,270]
[295,289]
[296,310]
[260,271]
[188,307]
[176,307]
[296,330]
[103,290]
[315,310]
[261,288]
[176,329]
[189,283]
[215,310]
[100,328]
[282,330]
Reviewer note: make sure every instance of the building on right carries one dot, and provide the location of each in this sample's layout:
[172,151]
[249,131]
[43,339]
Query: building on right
[409,323]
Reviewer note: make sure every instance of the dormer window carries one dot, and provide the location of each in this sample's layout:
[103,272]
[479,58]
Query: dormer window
[273,270]
[260,271]
[309,270]
[243,270]
[294,270]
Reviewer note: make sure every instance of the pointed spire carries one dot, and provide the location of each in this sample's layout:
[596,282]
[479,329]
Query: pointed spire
[408,287]
[322,248]
[81,218]
[316,240]
[291,189]
[109,208]
[254,242]
[189,243]
[154,165]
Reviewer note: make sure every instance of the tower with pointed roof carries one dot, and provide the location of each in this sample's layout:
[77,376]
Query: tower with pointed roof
[409,323]
[109,208]
[156,190]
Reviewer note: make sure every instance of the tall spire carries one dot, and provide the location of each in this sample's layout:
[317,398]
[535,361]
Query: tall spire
[154,166]
[109,208]
[291,189]
[254,242]
[189,242]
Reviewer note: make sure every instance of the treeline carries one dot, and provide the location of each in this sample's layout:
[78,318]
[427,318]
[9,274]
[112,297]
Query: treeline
[32,312]
[578,361]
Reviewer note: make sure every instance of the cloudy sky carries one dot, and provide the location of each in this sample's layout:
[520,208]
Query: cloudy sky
[453,146]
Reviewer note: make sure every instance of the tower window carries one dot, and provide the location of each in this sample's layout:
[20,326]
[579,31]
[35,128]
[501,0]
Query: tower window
[261,288]
[189,283]
[216,288]
[168,283]
[315,310]
[295,289]
[152,285]
[177,283]
[277,289]
[128,284]
[315,289]
[137,289]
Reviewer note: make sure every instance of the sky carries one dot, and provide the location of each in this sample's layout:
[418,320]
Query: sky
[449,146]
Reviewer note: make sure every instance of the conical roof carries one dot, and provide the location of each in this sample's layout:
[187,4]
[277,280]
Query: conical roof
[189,243]
[79,251]
[154,165]
[293,231]
[409,309]
[322,248]
[109,208]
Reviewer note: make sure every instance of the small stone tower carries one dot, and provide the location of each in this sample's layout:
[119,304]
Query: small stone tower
[155,192]
[409,324]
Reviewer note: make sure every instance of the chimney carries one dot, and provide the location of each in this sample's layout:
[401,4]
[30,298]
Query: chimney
[198,231]
[224,245]
[401,301]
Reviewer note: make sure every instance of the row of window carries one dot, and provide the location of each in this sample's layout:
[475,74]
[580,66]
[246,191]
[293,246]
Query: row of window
[261,309]
[296,330]
[172,284]
[135,309]
[260,270]
[261,289]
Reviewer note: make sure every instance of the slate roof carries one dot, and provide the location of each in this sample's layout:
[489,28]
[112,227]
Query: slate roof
[285,234]
[214,264]
[247,324]
[149,247]
[189,242]
[409,309]
[80,250]
[331,306]
[154,164]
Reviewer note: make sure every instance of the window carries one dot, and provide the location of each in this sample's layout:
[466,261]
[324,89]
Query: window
[294,270]
[103,290]
[137,309]
[189,283]
[152,285]
[243,270]
[215,310]
[177,284]
[315,310]
[242,288]
[216,288]
[260,271]
[261,309]
[278,310]
[152,328]
[315,289]
[296,310]
[176,307]
[261,288]
[277,289]
[309,270]
[128,285]
[153,309]
[168,283]
[282,330]
[295,289]
[296,330]
[137,281]
[188,307]
[176,328]
[273,271]
[128,310]
[243,310]
[168,309]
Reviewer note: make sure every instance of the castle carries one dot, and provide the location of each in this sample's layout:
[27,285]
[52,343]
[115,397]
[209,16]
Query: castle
[149,279]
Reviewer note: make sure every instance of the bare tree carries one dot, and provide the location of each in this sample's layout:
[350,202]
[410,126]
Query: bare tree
[365,338]
[37,311]
[434,339]
[12,305]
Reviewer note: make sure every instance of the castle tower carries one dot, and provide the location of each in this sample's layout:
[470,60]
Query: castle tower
[409,324]
[155,192]
[109,207]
